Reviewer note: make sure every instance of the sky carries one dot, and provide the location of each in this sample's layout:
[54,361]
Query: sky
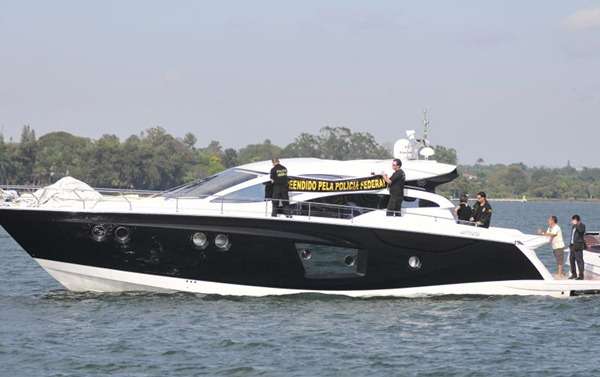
[506,81]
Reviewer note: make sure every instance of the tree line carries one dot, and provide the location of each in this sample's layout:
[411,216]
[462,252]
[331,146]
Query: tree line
[156,160]
[518,180]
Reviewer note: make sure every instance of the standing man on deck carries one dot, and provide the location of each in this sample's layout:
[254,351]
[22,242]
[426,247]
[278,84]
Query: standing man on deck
[576,247]
[482,211]
[396,187]
[463,211]
[558,246]
[279,184]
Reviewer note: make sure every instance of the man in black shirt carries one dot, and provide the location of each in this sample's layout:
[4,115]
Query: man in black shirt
[482,211]
[463,211]
[396,187]
[279,187]
[576,246]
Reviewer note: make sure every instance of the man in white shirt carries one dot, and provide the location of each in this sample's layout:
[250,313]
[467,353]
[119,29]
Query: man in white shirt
[557,243]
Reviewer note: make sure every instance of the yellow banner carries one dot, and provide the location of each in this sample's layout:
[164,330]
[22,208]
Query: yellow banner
[374,182]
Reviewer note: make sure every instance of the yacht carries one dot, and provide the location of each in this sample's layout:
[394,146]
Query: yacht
[217,236]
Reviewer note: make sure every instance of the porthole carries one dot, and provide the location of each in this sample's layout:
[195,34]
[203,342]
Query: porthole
[200,240]
[349,261]
[222,242]
[306,254]
[414,263]
[122,235]
[98,232]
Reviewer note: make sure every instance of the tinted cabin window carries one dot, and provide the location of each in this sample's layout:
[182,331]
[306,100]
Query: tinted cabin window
[331,262]
[254,193]
[213,184]
[410,202]
[342,206]
[346,206]
[423,203]
[355,200]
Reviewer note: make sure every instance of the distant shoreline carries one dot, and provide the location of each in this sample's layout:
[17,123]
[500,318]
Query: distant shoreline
[536,200]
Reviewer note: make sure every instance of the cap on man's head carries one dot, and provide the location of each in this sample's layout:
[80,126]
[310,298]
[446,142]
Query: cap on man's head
[275,160]
[397,161]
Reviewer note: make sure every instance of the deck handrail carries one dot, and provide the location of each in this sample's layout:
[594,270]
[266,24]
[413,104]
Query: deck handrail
[312,207]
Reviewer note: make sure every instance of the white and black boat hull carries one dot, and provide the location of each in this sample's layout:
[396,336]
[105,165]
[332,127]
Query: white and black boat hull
[268,257]
[264,252]
[79,278]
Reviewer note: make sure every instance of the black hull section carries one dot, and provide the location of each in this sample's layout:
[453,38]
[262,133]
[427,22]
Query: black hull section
[264,252]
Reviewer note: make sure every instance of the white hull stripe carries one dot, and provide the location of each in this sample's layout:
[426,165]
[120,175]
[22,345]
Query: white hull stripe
[79,278]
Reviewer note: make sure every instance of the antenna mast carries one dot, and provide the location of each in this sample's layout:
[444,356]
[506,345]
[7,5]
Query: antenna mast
[425,127]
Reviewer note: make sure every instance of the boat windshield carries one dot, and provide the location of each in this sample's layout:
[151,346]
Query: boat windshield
[211,185]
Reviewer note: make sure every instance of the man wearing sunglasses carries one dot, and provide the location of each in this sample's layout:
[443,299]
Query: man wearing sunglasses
[396,187]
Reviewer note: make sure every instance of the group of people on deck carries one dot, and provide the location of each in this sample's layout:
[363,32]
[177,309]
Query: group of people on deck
[479,215]
[576,246]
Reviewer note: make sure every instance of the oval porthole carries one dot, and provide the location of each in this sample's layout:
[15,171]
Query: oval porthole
[222,242]
[414,263]
[349,260]
[122,235]
[200,240]
[306,254]
[98,232]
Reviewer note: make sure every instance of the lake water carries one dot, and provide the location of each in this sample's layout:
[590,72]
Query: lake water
[47,331]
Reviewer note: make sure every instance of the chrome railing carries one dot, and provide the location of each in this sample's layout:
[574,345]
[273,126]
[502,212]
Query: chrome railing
[102,190]
[133,199]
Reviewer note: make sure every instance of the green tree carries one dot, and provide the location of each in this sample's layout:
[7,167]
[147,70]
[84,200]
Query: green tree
[304,145]
[258,152]
[26,155]
[334,143]
[132,173]
[362,145]
[337,143]
[6,162]
[516,177]
[445,155]
[190,140]
[230,158]
[164,159]
[106,162]
[60,154]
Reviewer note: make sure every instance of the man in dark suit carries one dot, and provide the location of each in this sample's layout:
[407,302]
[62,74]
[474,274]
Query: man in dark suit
[396,187]
[463,211]
[576,246]
[279,187]
[482,211]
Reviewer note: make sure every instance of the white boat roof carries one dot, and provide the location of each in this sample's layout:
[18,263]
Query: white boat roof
[414,169]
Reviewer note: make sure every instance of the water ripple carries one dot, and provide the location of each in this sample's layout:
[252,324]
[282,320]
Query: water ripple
[47,331]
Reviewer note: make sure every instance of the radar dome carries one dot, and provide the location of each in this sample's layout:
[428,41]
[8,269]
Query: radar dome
[427,152]
[402,149]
